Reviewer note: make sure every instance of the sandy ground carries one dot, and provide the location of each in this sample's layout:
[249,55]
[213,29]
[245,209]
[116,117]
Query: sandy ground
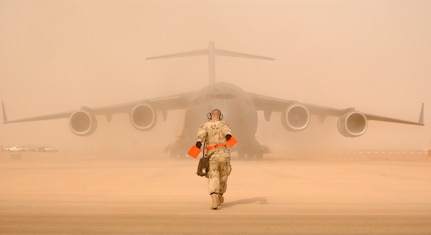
[63,193]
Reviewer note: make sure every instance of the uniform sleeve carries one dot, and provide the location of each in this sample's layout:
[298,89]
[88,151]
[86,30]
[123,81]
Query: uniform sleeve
[202,133]
[226,129]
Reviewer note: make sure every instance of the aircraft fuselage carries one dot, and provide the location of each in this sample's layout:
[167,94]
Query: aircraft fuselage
[238,110]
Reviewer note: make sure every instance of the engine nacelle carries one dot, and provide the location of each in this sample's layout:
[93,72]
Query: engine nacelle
[82,122]
[295,117]
[352,124]
[143,117]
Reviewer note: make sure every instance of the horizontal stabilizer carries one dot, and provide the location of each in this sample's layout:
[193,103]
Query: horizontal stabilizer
[205,52]
[181,54]
[211,52]
[243,55]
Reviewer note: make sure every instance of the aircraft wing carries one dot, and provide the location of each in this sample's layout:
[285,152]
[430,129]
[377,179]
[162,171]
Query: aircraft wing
[179,101]
[352,123]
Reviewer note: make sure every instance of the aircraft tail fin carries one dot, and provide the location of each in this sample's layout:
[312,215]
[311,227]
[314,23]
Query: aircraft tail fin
[211,51]
[4,112]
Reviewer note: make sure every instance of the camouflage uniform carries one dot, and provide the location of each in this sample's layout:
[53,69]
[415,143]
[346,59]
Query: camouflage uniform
[214,134]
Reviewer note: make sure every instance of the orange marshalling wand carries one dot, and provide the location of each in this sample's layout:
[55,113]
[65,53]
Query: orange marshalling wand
[194,151]
[231,142]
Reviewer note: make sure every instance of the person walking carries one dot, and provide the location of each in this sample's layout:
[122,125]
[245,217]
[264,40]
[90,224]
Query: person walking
[215,132]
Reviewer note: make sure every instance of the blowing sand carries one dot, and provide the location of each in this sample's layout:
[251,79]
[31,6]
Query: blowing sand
[63,193]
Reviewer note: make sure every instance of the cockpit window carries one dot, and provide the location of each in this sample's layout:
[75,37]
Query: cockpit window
[224,96]
[223,93]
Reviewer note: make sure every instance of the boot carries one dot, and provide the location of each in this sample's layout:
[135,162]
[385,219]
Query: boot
[215,202]
[220,198]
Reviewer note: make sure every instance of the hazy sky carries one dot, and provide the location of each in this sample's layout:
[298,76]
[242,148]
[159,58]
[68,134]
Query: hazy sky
[58,55]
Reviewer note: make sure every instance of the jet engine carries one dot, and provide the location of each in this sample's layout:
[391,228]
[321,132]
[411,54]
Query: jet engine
[82,122]
[295,117]
[143,117]
[352,124]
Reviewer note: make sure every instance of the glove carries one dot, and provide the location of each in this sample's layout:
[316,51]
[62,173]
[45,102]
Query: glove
[228,136]
[198,144]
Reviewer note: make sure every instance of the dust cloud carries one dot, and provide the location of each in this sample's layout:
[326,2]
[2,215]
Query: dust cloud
[61,55]
[58,56]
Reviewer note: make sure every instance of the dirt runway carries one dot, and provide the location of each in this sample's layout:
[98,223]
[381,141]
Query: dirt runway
[57,193]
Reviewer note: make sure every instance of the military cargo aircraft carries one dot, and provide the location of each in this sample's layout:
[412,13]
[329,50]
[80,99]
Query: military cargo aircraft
[240,109]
